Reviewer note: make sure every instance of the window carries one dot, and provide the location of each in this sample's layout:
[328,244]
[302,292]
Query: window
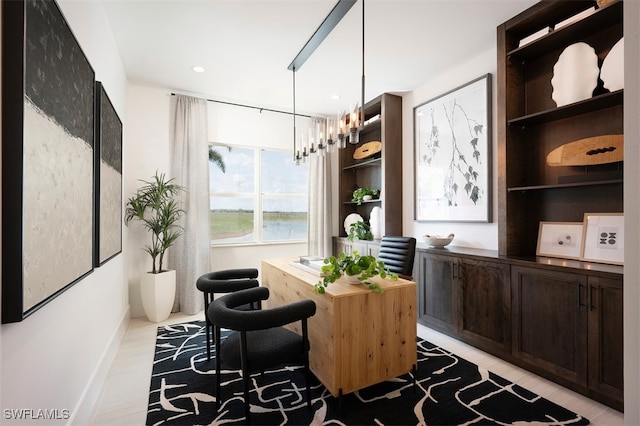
[260,197]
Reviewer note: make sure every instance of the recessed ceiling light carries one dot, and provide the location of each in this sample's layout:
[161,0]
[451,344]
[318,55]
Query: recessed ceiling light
[335,97]
[196,68]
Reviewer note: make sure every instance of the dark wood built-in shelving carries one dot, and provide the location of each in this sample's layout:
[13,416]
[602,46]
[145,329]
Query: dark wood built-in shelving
[380,172]
[565,315]
[530,125]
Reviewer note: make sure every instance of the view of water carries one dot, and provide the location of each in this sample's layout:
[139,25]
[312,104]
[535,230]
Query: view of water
[273,231]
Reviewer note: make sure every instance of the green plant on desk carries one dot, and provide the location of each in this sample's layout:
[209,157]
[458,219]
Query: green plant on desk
[364,267]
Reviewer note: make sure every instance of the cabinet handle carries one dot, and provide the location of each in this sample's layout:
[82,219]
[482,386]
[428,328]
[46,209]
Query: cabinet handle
[580,304]
[454,271]
[591,307]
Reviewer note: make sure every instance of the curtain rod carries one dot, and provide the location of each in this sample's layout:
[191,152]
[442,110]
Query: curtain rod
[253,107]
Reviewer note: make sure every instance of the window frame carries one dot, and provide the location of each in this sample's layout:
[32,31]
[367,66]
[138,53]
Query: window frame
[258,195]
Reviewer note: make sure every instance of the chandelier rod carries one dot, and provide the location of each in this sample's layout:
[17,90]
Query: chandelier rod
[337,13]
[294,114]
[362,87]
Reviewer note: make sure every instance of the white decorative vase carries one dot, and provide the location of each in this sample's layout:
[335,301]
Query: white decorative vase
[158,292]
[375,222]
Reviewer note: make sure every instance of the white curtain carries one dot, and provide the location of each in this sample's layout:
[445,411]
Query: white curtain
[190,256]
[320,242]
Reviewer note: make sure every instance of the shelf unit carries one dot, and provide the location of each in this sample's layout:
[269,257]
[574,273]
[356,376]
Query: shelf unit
[530,125]
[383,171]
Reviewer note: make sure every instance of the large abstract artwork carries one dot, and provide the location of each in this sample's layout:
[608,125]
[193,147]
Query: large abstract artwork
[108,169]
[453,155]
[47,170]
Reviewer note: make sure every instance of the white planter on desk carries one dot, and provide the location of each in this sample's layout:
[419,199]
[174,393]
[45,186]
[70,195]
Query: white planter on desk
[158,292]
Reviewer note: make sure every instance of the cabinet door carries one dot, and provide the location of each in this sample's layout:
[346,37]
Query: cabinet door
[373,249]
[549,321]
[437,291]
[606,338]
[359,246]
[341,246]
[484,305]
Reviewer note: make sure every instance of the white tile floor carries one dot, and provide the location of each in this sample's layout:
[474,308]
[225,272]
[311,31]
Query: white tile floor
[123,400]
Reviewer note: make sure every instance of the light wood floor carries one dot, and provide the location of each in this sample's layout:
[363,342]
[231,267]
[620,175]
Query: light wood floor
[123,400]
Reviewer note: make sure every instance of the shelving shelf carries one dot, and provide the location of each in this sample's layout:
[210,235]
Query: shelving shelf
[564,185]
[374,162]
[596,103]
[603,17]
[376,201]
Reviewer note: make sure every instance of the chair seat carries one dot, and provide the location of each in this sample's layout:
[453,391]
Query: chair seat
[266,348]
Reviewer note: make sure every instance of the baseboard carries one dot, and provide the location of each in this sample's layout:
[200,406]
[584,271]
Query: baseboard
[84,410]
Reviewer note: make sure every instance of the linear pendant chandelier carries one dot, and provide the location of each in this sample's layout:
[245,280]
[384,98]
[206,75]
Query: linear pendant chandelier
[357,117]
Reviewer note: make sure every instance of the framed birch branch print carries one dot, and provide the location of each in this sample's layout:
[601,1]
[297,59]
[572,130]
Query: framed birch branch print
[452,150]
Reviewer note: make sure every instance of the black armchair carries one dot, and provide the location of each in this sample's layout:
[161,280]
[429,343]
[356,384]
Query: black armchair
[259,341]
[398,254]
[224,281]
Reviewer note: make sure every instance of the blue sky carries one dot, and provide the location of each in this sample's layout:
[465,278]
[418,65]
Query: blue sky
[279,176]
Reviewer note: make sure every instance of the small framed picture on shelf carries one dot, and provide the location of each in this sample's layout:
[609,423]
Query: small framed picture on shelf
[560,239]
[603,238]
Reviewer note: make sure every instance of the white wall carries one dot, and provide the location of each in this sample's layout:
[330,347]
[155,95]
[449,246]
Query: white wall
[631,214]
[478,235]
[148,148]
[57,357]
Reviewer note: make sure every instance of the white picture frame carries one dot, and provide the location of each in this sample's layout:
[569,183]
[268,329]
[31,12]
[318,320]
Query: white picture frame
[603,238]
[560,239]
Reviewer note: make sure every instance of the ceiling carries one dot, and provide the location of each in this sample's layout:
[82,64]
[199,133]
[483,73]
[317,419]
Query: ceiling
[246,46]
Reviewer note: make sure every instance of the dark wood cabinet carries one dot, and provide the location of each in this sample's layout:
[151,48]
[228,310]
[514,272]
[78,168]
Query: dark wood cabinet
[466,298]
[484,305]
[606,353]
[381,171]
[530,125]
[560,319]
[549,319]
[437,291]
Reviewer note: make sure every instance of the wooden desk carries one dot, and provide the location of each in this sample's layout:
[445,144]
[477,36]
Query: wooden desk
[358,338]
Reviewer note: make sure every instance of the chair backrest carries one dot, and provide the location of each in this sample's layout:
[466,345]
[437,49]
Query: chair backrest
[398,254]
[227,281]
[223,315]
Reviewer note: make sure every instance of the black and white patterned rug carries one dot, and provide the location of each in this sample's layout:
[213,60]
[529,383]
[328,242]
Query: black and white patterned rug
[450,391]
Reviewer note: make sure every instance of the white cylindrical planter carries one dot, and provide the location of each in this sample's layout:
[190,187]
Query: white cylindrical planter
[158,292]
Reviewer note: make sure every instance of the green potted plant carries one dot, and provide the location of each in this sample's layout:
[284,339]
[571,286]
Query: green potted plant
[356,269]
[364,194]
[156,205]
[360,231]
